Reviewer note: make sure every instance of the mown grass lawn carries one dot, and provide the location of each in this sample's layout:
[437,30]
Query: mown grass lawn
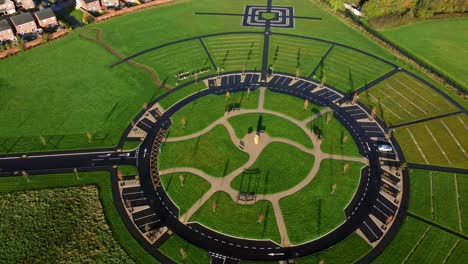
[197,115]
[238,220]
[439,42]
[213,153]
[288,54]
[403,243]
[194,254]
[186,57]
[274,126]
[314,210]
[180,94]
[282,166]
[184,196]
[434,248]
[439,128]
[336,139]
[66,220]
[347,251]
[289,105]
[421,196]
[70,92]
[401,98]
[348,70]
[234,52]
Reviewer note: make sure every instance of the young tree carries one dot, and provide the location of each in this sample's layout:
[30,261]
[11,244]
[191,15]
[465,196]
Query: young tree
[306,104]
[25,175]
[147,229]
[75,170]
[183,121]
[333,191]
[196,77]
[298,72]
[43,140]
[373,113]
[183,253]
[329,118]
[355,98]
[89,135]
[248,92]
[182,180]
[145,105]
[345,167]
[214,205]
[261,218]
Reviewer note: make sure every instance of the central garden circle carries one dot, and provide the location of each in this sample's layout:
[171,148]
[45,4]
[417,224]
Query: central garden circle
[257,164]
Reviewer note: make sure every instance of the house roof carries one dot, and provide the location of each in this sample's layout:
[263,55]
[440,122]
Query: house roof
[22,19]
[88,1]
[4,25]
[45,13]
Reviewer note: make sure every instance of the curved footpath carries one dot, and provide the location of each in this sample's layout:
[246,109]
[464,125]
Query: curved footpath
[257,249]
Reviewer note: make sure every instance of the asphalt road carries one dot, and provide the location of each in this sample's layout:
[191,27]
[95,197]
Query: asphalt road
[55,162]
[260,249]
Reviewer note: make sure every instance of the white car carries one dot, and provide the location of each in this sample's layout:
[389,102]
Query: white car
[384,148]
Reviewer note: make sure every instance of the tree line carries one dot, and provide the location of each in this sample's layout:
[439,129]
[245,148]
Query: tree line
[391,12]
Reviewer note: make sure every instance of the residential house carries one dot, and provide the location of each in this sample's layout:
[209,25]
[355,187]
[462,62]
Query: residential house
[6,33]
[89,5]
[25,4]
[24,23]
[7,7]
[110,3]
[46,18]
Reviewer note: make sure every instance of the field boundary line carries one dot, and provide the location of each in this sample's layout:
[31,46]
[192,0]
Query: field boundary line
[208,54]
[390,110]
[437,143]
[417,145]
[437,168]
[432,196]
[455,178]
[395,101]
[426,119]
[406,99]
[416,245]
[429,222]
[378,80]
[418,95]
[454,138]
[321,61]
[451,251]
[463,123]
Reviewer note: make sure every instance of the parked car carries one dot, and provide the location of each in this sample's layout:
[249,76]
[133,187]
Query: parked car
[384,148]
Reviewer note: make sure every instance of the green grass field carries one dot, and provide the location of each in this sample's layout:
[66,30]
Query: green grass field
[336,139]
[288,54]
[401,98]
[238,220]
[49,182]
[289,105]
[204,111]
[234,52]
[213,153]
[198,115]
[347,251]
[348,70]
[180,94]
[184,196]
[274,126]
[281,167]
[314,210]
[417,242]
[55,102]
[170,61]
[172,248]
[435,141]
[440,205]
[439,42]
[57,225]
